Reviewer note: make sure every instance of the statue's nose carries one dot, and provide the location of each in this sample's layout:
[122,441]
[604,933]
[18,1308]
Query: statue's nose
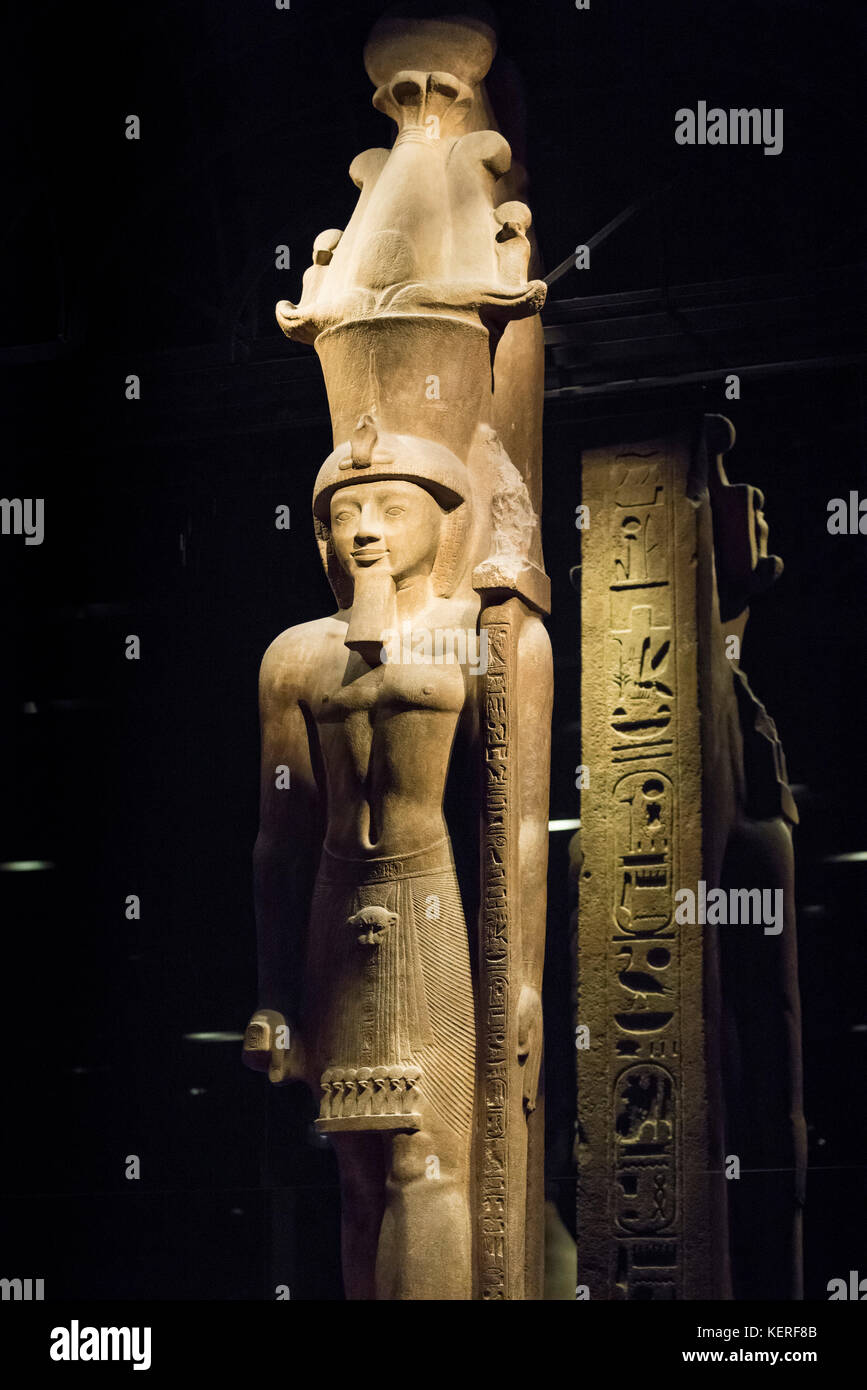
[369,528]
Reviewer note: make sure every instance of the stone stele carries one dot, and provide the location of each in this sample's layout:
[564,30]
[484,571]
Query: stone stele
[694,1028]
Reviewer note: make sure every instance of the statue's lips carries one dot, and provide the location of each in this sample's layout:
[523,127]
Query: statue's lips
[368,557]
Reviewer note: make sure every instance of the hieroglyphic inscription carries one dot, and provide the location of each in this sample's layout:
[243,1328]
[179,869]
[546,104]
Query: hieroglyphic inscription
[644,1120]
[649,1216]
[642,957]
[642,698]
[643,815]
[631,1191]
[497,891]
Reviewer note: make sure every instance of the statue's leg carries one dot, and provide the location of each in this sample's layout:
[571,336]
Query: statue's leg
[425,1245]
[362,1165]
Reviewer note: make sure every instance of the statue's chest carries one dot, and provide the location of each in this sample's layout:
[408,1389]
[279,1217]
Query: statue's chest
[391,690]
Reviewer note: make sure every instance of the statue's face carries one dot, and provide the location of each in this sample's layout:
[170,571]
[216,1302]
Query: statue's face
[745,505]
[760,525]
[389,526]
[743,564]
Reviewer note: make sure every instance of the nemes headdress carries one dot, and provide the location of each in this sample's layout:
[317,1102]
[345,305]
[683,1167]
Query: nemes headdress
[370,456]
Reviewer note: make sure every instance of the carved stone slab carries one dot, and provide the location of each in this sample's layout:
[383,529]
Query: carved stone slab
[645,1181]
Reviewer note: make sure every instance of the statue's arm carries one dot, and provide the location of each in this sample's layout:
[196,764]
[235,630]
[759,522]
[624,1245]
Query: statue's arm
[285,857]
[535,679]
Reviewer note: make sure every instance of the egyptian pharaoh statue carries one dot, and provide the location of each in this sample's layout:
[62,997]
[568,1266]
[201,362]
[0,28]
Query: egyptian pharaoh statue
[760,995]
[423,1044]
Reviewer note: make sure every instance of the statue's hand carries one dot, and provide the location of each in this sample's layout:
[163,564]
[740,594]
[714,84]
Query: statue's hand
[271,1045]
[530,1042]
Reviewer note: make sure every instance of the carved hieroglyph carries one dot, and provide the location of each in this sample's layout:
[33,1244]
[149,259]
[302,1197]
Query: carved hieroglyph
[425,1054]
[645,1194]
[694,1031]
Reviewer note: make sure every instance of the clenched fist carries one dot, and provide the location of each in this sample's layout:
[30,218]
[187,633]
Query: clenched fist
[270,1045]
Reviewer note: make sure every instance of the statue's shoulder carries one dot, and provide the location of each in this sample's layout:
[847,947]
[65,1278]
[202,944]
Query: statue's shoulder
[292,658]
[460,612]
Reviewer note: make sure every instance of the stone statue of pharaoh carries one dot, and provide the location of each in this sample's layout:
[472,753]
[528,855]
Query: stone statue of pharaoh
[761,1000]
[365,961]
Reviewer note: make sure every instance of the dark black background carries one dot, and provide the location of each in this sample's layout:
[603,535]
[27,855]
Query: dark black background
[157,258]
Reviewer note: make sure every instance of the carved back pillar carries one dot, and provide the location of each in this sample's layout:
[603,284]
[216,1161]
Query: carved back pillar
[652,1200]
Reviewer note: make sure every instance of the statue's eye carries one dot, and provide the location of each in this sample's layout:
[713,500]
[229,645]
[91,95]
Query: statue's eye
[395,511]
[343,516]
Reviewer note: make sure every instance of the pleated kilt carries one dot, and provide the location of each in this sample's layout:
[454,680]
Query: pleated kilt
[389,1010]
